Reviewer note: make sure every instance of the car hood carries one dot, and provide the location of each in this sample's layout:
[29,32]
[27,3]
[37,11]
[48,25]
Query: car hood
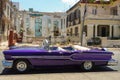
[23,47]
[17,49]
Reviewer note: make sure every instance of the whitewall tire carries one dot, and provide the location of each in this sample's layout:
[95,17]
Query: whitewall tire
[21,66]
[87,65]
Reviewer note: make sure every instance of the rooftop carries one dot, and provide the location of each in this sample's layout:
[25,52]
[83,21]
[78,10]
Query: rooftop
[90,2]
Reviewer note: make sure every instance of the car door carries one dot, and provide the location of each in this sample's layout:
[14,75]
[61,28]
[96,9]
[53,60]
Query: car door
[49,58]
[55,58]
[70,58]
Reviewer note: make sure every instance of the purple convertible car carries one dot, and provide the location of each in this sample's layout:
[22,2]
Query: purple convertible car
[23,58]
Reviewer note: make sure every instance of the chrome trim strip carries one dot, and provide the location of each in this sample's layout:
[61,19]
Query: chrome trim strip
[43,57]
[53,57]
[95,53]
[87,60]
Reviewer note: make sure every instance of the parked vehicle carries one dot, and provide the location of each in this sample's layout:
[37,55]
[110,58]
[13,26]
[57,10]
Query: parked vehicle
[23,58]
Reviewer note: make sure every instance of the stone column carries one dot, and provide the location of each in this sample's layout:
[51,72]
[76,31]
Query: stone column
[116,31]
[110,31]
[90,31]
[84,42]
[96,30]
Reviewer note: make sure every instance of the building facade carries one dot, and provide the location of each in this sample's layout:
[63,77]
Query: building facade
[43,24]
[101,20]
[3,19]
[9,20]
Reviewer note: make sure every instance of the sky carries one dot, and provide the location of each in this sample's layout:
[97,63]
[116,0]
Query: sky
[46,5]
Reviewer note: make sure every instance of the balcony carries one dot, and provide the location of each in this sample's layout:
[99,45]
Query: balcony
[103,17]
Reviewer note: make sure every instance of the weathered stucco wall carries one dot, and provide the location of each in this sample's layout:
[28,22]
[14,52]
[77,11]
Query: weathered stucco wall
[110,43]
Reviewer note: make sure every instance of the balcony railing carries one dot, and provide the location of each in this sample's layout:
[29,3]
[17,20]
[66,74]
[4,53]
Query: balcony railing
[103,17]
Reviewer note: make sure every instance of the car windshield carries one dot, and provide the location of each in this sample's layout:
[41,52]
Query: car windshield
[68,48]
[53,48]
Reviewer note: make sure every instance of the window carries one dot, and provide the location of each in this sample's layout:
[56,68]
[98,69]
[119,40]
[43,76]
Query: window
[67,22]
[14,6]
[71,30]
[114,11]
[56,28]
[8,10]
[27,20]
[94,11]
[79,16]
[64,21]
[69,17]
[68,33]
[112,31]
[72,17]
[85,29]
[76,31]
[78,13]
[94,31]
[75,14]
[61,23]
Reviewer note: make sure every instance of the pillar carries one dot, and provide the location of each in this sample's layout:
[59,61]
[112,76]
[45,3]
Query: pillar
[110,31]
[96,30]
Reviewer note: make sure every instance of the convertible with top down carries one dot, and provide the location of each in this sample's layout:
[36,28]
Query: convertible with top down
[23,58]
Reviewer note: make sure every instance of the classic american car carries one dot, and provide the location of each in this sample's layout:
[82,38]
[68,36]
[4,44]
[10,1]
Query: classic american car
[23,58]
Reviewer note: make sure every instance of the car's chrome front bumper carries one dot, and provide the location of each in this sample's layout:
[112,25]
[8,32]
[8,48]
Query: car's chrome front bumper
[7,63]
[112,63]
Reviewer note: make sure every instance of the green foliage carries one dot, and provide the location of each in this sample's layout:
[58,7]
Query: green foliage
[111,1]
[102,1]
[94,41]
[91,1]
[21,31]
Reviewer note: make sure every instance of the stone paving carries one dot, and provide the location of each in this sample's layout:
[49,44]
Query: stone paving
[65,76]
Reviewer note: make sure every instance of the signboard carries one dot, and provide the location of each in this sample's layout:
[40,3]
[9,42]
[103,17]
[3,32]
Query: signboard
[35,15]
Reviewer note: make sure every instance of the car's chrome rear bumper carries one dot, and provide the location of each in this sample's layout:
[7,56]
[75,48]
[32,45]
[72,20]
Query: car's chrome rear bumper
[7,63]
[112,62]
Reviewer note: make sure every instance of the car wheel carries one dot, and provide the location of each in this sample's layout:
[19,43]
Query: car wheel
[21,66]
[87,66]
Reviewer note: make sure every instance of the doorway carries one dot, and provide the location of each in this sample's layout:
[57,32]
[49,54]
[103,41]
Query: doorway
[103,30]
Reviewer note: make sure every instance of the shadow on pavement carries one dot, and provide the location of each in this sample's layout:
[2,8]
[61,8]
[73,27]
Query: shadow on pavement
[65,69]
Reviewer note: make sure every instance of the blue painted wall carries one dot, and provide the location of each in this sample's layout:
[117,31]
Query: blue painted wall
[38,27]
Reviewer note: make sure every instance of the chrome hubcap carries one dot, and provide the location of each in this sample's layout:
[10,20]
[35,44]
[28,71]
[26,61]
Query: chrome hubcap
[21,66]
[88,65]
